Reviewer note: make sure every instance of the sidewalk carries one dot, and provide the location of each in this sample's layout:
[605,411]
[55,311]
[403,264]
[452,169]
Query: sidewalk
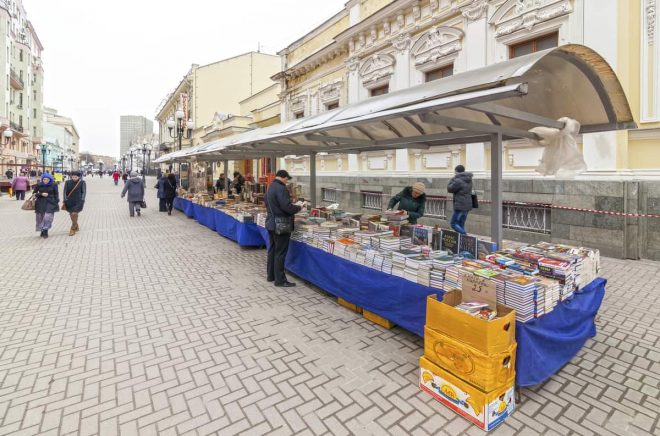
[156,325]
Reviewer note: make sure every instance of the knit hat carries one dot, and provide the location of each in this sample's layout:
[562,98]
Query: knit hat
[133,173]
[418,187]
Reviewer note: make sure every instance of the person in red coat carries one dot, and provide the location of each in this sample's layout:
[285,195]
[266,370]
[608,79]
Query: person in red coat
[115,177]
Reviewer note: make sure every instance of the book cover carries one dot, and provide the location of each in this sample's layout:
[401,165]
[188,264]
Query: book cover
[468,244]
[485,248]
[450,241]
[422,235]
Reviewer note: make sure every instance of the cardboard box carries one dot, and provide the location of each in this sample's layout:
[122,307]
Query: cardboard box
[350,306]
[489,337]
[486,372]
[486,410]
[377,319]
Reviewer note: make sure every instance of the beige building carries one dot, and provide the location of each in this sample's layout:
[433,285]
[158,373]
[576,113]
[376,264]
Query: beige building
[61,138]
[21,95]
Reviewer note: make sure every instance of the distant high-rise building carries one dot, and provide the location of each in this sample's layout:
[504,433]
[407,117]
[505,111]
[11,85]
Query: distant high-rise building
[132,128]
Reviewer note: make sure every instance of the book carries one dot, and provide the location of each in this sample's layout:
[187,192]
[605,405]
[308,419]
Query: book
[450,241]
[468,244]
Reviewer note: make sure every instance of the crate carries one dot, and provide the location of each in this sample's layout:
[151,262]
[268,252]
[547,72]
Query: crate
[350,306]
[484,371]
[377,319]
[489,337]
[486,410]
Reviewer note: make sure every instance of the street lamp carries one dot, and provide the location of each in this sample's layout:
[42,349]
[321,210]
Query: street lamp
[178,127]
[61,159]
[45,149]
[123,163]
[146,148]
[132,151]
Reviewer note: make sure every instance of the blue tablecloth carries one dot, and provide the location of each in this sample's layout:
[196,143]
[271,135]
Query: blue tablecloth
[544,344]
[178,203]
[264,235]
[245,234]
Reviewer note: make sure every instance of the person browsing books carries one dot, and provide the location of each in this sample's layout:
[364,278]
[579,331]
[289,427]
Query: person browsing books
[279,223]
[412,199]
[461,186]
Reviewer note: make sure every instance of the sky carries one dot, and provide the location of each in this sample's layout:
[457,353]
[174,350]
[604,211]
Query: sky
[103,59]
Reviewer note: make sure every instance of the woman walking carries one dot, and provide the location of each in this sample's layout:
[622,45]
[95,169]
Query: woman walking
[75,190]
[169,191]
[135,189]
[48,200]
[19,185]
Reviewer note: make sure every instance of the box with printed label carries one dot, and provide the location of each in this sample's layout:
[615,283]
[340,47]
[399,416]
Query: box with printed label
[485,410]
[489,337]
[484,371]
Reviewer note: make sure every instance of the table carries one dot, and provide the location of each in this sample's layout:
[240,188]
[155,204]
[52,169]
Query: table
[545,344]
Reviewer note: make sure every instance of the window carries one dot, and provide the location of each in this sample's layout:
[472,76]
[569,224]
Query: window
[34,95]
[329,194]
[34,113]
[381,90]
[299,115]
[20,100]
[20,120]
[533,45]
[20,55]
[332,106]
[440,73]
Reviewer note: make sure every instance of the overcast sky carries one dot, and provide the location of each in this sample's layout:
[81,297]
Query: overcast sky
[105,59]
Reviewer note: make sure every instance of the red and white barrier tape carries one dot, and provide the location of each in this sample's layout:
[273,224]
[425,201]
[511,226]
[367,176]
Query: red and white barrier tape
[551,206]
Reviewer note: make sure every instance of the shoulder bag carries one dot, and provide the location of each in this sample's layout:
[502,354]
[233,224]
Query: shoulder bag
[475,201]
[68,194]
[283,225]
[30,203]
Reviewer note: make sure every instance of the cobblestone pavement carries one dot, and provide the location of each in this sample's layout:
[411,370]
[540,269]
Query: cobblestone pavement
[156,325]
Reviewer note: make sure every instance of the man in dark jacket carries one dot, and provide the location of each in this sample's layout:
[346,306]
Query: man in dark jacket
[221,184]
[238,182]
[160,186]
[412,199]
[278,205]
[461,186]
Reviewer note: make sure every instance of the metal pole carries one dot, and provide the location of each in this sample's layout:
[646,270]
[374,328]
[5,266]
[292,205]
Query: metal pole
[496,189]
[312,178]
[273,164]
[225,169]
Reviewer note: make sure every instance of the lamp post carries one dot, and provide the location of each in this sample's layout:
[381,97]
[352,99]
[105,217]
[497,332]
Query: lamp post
[131,152]
[45,149]
[61,159]
[146,148]
[178,127]
[123,163]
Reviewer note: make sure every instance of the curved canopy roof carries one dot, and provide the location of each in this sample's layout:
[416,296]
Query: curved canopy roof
[509,98]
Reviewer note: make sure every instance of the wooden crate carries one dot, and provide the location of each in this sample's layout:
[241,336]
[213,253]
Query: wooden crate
[377,319]
[348,305]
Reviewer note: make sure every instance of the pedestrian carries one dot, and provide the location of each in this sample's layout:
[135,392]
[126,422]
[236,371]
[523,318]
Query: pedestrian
[221,184]
[115,177]
[124,177]
[33,173]
[169,188]
[19,185]
[279,223]
[135,190]
[412,199]
[75,191]
[10,174]
[461,186]
[238,182]
[48,203]
[160,186]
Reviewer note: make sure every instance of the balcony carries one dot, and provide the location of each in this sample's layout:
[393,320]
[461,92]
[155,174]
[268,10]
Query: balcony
[16,81]
[16,127]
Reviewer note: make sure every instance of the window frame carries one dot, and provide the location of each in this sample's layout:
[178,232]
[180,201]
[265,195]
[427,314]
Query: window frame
[449,67]
[376,91]
[534,43]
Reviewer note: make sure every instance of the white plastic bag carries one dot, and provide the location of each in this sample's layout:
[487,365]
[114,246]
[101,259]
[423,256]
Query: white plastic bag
[560,152]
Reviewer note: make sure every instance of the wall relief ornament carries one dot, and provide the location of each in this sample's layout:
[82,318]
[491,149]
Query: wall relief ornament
[402,42]
[330,92]
[435,44]
[475,10]
[378,68]
[352,63]
[515,15]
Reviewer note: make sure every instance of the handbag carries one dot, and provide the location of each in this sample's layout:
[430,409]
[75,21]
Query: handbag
[475,201]
[30,203]
[143,204]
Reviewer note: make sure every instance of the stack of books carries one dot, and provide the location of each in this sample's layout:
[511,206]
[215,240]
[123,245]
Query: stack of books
[389,243]
[520,293]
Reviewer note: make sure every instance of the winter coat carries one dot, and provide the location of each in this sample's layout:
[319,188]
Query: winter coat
[221,184]
[115,175]
[74,199]
[414,206]
[124,177]
[135,189]
[278,204]
[49,204]
[160,185]
[169,187]
[20,183]
[238,184]
[461,186]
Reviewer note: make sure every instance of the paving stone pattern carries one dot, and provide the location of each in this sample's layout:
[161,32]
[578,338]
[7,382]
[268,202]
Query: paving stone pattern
[156,325]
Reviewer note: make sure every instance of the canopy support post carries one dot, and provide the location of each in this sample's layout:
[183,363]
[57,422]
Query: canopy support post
[496,189]
[225,168]
[273,164]
[312,178]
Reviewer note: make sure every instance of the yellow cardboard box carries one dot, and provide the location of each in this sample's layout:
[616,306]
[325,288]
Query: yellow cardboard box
[489,337]
[377,319]
[486,372]
[486,410]
[349,306]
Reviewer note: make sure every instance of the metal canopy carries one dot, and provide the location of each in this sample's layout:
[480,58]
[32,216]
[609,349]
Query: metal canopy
[491,104]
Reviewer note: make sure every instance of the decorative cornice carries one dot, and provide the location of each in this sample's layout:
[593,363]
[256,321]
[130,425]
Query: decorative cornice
[515,15]
[352,63]
[475,10]
[402,42]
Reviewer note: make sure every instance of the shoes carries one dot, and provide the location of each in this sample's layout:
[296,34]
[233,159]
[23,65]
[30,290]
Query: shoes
[132,215]
[270,280]
[285,285]
[72,232]
[138,212]
[169,212]
[43,232]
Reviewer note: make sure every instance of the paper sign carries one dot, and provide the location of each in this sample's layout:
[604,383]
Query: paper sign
[477,288]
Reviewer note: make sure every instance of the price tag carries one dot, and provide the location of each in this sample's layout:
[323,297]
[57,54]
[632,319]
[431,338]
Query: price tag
[477,288]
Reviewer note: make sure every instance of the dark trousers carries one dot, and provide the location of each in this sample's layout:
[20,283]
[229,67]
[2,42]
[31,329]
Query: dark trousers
[20,195]
[169,204]
[279,246]
[162,205]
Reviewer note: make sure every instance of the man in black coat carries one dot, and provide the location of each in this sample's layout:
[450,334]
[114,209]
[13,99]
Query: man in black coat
[278,204]
[461,186]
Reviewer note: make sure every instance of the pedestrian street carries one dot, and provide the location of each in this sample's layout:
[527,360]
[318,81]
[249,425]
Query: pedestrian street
[157,325]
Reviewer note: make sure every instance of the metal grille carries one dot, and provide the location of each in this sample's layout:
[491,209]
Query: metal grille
[436,207]
[520,216]
[372,200]
[329,194]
